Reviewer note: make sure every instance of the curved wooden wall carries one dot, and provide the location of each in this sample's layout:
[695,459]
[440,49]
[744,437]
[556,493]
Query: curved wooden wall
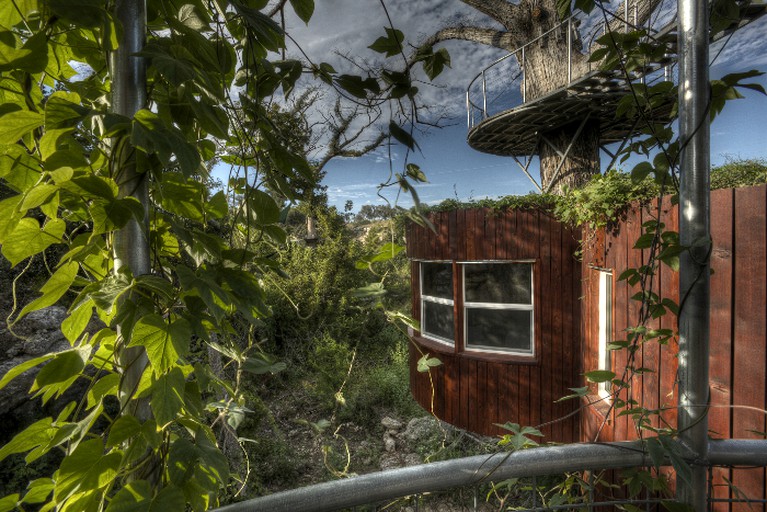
[738,335]
[474,390]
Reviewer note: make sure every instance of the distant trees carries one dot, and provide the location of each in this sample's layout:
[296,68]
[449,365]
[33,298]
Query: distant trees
[372,212]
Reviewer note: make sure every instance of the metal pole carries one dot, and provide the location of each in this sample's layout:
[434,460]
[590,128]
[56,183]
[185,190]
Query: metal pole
[626,16]
[131,243]
[468,111]
[524,77]
[484,95]
[569,50]
[694,230]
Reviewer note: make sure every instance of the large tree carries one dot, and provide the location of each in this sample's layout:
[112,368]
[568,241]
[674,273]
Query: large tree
[545,68]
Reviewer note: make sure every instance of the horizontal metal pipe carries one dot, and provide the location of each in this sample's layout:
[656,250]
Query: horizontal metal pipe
[385,485]
[440,476]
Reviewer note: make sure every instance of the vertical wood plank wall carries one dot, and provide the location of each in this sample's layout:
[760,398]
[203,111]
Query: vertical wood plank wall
[738,327]
[474,391]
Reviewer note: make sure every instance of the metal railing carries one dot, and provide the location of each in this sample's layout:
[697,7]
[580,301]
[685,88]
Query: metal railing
[502,85]
[376,488]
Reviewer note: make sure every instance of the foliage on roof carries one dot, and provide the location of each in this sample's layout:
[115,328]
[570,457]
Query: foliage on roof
[530,201]
[603,199]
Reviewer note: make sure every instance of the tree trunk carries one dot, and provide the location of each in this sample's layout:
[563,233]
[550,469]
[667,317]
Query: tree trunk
[581,163]
[550,63]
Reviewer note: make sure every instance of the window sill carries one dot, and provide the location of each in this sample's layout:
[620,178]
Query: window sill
[496,357]
[597,405]
[436,346]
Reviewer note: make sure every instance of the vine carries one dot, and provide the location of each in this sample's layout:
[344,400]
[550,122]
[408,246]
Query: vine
[62,150]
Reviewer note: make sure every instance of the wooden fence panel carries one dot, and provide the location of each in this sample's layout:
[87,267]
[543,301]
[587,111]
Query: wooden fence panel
[748,386]
[720,360]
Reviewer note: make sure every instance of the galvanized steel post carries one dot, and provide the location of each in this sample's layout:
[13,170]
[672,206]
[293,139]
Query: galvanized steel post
[694,228]
[131,243]
[524,77]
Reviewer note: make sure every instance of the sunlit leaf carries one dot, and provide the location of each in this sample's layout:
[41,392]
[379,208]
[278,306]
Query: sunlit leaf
[53,289]
[29,238]
[168,396]
[164,342]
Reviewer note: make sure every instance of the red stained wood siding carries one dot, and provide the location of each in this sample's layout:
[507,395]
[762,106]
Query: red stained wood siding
[738,325]
[473,390]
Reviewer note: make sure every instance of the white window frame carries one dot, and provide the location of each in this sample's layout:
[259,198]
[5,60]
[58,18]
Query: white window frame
[435,300]
[605,334]
[497,305]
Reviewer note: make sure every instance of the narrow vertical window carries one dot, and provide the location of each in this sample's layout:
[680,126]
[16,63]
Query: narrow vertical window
[437,301]
[498,307]
[605,330]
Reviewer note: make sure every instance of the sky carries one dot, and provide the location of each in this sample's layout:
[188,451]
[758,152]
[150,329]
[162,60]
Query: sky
[454,170]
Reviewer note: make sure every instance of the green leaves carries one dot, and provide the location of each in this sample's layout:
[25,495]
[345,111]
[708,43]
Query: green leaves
[53,289]
[402,136]
[518,439]
[151,135]
[29,238]
[433,62]
[164,342]
[14,125]
[384,253]
[598,376]
[138,497]
[391,44]
[168,396]
[303,8]
[426,363]
[87,468]
[85,13]
[61,372]
[32,56]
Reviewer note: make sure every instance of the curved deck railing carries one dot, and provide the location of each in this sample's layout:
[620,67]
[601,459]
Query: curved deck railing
[377,488]
[502,85]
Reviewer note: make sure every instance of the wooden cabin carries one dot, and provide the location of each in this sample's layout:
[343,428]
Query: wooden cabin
[496,294]
[516,320]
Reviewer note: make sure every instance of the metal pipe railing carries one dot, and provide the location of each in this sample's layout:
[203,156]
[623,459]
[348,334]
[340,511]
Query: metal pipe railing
[521,52]
[468,471]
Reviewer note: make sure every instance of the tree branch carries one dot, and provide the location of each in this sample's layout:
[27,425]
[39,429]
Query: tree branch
[487,36]
[500,10]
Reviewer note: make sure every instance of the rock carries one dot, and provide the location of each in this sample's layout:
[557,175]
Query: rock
[420,429]
[391,423]
[390,444]
[390,461]
[413,459]
[41,334]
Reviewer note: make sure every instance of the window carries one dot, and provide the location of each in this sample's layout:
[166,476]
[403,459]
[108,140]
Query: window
[604,389]
[437,301]
[498,307]
[494,306]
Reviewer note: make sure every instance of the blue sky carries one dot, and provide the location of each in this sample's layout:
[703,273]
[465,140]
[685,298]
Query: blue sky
[454,169]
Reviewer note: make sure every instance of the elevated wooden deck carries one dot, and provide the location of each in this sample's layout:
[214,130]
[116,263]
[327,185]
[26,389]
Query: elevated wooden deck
[517,131]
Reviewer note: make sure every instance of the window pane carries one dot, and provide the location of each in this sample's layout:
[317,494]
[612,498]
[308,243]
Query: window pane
[508,283]
[437,320]
[437,280]
[499,328]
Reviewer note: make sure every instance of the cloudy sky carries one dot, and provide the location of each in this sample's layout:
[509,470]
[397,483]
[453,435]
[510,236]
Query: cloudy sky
[348,27]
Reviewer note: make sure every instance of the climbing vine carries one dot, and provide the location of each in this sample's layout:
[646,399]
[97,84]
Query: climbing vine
[213,73]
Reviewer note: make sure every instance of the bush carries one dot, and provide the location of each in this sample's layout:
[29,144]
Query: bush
[381,386]
[739,173]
